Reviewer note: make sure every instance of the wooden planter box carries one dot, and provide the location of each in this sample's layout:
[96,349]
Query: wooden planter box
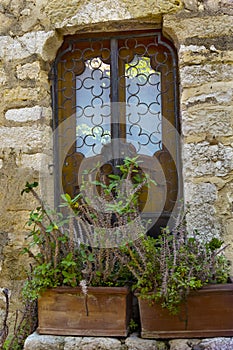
[65,311]
[208,312]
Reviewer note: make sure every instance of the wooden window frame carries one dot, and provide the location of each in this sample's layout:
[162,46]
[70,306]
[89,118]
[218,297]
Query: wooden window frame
[67,160]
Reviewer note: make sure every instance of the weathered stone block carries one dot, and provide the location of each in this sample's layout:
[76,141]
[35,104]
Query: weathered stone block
[28,71]
[15,6]
[33,161]
[191,5]
[225,198]
[84,14]
[100,343]
[203,219]
[216,344]
[136,343]
[183,344]
[26,139]
[72,343]
[212,5]
[210,121]
[226,6]
[6,22]
[19,95]
[153,7]
[215,93]
[200,194]
[3,76]
[44,342]
[201,27]
[202,213]
[35,41]
[63,14]
[196,75]
[27,114]
[24,46]
[192,54]
[204,159]
[205,51]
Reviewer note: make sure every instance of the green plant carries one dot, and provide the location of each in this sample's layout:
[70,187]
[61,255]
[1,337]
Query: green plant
[133,326]
[81,243]
[167,268]
[54,259]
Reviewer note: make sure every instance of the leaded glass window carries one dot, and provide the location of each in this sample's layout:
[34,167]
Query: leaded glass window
[115,96]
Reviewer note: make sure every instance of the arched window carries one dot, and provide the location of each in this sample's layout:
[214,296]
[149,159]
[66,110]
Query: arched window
[116,95]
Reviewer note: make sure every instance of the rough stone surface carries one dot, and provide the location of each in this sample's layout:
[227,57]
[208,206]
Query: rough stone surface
[72,343]
[207,226]
[196,75]
[201,193]
[26,114]
[33,161]
[28,71]
[204,344]
[183,344]
[24,46]
[201,52]
[100,343]
[104,11]
[216,344]
[215,93]
[20,96]
[44,342]
[211,122]
[204,158]
[3,76]
[135,343]
[27,139]
[62,14]
[198,26]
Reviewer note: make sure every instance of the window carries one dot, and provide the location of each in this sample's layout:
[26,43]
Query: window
[115,96]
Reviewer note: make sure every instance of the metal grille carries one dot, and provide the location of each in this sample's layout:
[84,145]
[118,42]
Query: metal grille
[115,96]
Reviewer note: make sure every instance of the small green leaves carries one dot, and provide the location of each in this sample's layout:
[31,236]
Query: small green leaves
[68,261]
[66,197]
[50,228]
[108,198]
[29,187]
[175,263]
[214,244]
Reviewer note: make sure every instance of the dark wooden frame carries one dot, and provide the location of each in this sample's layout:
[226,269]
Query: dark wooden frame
[166,170]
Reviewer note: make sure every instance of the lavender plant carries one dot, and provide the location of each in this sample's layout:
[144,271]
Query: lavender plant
[81,245]
[167,268]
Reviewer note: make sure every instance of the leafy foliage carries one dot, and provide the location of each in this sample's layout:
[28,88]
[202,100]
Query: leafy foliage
[67,249]
[167,268]
[100,241]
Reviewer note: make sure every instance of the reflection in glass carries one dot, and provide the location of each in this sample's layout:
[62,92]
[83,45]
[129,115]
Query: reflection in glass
[93,107]
[143,106]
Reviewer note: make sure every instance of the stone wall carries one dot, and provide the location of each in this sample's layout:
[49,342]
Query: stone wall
[31,33]
[47,342]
